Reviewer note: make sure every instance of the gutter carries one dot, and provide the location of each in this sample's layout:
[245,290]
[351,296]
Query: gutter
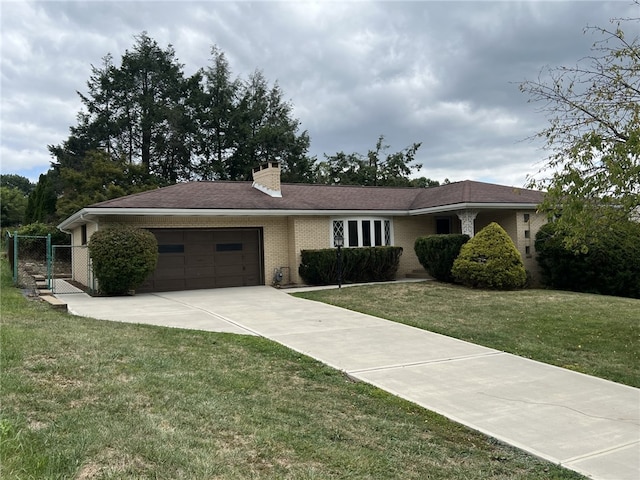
[84,214]
[200,212]
[474,206]
[70,221]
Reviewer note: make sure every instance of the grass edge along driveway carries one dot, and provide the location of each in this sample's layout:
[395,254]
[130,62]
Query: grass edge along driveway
[90,399]
[593,334]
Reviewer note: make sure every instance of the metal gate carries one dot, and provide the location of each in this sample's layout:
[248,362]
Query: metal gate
[61,268]
[71,270]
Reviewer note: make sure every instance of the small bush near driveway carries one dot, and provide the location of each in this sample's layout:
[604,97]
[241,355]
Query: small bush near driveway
[123,257]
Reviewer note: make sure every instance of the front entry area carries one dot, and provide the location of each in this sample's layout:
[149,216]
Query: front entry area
[190,259]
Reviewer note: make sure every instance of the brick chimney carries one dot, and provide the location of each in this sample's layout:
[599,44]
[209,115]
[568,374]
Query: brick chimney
[266,178]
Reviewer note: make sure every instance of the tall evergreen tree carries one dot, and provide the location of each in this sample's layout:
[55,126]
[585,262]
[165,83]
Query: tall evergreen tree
[215,111]
[100,122]
[266,131]
[41,206]
[144,112]
[151,87]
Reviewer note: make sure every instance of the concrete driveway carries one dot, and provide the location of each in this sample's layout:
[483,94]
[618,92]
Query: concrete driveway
[584,423]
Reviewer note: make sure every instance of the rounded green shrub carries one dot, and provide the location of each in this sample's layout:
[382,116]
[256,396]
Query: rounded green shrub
[437,253]
[490,260]
[122,258]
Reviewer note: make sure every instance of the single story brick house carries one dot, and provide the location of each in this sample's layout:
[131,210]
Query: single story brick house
[221,234]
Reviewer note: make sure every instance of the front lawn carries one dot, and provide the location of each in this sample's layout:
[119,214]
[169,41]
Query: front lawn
[90,399]
[593,334]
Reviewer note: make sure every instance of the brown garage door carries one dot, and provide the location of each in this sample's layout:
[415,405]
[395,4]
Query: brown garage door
[193,259]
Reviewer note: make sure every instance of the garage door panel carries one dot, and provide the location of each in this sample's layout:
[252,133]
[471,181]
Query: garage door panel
[168,273]
[164,285]
[193,259]
[227,270]
[252,270]
[195,283]
[228,236]
[229,259]
[200,249]
[199,236]
[169,236]
[200,260]
[230,281]
[170,261]
[199,272]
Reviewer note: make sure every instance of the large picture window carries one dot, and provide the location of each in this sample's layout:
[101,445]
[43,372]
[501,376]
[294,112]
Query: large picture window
[363,232]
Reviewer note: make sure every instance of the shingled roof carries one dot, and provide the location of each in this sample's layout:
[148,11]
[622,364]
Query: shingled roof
[240,198]
[221,195]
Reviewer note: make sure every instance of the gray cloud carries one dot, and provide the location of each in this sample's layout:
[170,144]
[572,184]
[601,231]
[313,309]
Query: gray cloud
[441,73]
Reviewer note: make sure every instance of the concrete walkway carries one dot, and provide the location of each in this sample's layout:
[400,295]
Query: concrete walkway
[584,423]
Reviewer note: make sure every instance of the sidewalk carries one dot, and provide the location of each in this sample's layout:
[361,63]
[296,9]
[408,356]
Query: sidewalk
[584,423]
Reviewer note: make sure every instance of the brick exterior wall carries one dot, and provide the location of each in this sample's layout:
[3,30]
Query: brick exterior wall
[285,237]
[306,233]
[80,270]
[526,238]
[406,230]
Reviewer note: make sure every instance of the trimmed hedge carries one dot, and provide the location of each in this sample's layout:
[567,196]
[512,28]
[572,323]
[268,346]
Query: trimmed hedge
[369,264]
[437,253]
[611,265]
[490,260]
[122,258]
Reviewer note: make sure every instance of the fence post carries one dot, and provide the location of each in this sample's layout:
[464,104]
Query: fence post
[15,257]
[49,263]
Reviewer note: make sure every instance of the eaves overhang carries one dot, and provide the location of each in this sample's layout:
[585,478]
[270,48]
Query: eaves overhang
[91,214]
[473,206]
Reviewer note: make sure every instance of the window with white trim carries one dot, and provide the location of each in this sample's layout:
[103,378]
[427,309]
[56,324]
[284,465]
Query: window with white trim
[363,232]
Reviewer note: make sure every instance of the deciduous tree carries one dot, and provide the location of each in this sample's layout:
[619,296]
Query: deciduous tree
[13,204]
[11,180]
[592,174]
[100,178]
[376,168]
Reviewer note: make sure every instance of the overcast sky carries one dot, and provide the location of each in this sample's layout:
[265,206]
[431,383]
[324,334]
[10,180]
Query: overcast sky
[442,73]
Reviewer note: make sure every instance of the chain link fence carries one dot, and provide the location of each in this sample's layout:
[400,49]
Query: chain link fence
[37,264]
[29,259]
[71,270]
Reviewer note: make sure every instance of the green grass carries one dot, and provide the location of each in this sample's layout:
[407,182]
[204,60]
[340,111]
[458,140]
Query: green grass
[90,399]
[594,334]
